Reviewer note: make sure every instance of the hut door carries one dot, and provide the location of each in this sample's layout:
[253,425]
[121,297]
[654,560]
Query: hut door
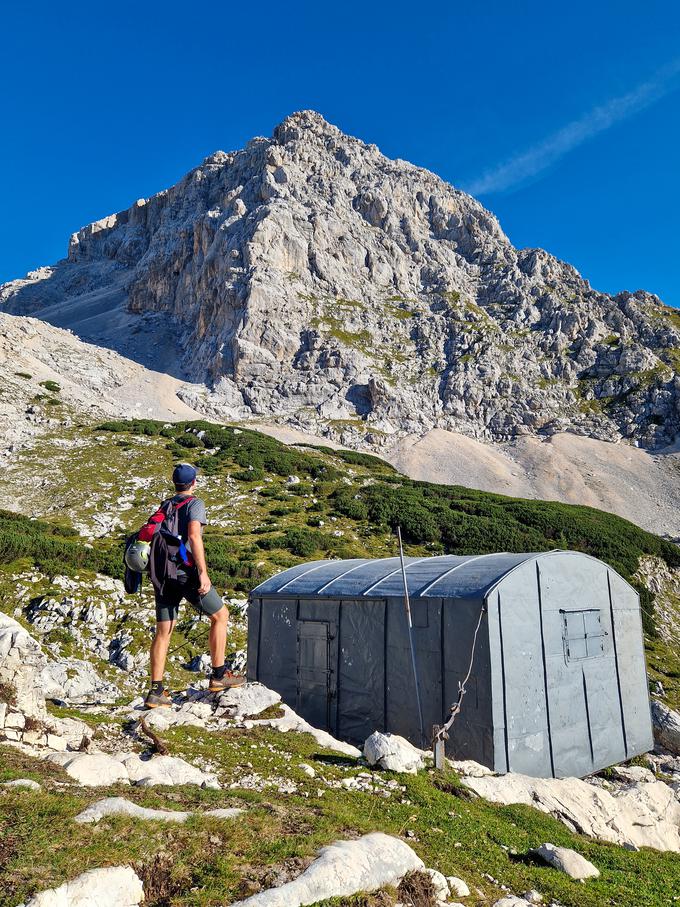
[315,687]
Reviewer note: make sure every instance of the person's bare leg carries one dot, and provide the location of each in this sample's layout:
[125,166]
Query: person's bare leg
[217,638]
[159,648]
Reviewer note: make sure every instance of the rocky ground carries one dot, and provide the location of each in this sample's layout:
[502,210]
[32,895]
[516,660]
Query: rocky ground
[227,799]
[235,799]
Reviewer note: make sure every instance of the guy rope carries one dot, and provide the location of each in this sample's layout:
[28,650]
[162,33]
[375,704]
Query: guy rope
[440,734]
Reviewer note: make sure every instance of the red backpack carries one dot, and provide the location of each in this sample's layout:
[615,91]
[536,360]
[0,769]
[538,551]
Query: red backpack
[168,550]
[166,513]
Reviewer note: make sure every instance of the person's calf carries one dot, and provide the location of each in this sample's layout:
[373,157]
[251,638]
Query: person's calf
[159,649]
[217,638]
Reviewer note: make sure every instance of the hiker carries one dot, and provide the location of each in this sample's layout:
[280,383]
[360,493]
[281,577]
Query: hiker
[193,584]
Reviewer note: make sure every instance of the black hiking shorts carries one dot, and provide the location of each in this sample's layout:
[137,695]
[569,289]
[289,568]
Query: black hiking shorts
[185,586]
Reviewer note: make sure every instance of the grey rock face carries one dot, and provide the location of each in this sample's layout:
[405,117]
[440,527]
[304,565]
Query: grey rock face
[666,724]
[314,280]
[76,681]
[23,714]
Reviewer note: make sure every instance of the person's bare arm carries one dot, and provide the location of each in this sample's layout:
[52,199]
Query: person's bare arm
[198,554]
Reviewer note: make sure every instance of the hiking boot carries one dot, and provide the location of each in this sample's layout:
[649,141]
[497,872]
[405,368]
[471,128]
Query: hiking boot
[217,685]
[155,700]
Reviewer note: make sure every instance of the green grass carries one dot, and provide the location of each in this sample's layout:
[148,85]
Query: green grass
[269,525]
[668,314]
[334,327]
[212,860]
[357,496]
[672,358]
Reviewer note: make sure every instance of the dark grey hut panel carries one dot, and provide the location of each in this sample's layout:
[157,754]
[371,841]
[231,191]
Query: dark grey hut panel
[558,685]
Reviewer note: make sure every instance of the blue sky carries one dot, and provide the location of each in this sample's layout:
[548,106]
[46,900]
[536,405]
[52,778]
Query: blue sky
[565,121]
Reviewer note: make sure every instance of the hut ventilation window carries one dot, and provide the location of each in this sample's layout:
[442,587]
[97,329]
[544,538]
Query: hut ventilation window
[582,634]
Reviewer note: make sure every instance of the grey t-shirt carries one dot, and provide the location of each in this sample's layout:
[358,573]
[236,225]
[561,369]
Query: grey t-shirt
[194,510]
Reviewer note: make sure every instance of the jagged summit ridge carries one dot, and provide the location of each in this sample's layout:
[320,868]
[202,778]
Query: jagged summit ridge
[314,280]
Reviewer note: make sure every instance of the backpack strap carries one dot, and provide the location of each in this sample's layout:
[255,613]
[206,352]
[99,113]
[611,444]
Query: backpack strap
[178,504]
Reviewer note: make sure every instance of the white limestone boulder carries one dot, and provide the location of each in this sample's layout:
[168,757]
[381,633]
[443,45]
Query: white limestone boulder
[567,861]
[342,869]
[468,768]
[666,726]
[92,769]
[22,783]
[291,721]
[115,886]
[250,699]
[102,769]
[633,773]
[76,681]
[643,814]
[393,753]
[458,887]
[165,770]
[440,883]
[119,806]
[162,719]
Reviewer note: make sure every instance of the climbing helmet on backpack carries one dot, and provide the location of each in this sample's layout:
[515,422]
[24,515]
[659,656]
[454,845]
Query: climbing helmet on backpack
[137,556]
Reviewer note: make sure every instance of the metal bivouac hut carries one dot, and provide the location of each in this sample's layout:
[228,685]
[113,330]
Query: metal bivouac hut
[558,685]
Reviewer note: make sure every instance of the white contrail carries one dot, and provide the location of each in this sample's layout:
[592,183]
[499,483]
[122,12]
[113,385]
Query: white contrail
[530,163]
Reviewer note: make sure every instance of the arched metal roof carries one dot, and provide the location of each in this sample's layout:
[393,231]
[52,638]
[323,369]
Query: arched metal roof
[447,576]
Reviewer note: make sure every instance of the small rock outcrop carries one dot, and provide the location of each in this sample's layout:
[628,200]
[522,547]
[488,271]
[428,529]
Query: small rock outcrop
[567,861]
[342,869]
[119,806]
[250,699]
[291,721]
[639,814]
[76,681]
[102,769]
[22,783]
[666,726]
[115,886]
[23,715]
[393,753]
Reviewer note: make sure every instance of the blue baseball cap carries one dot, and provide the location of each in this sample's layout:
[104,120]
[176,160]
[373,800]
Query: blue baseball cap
[184,474]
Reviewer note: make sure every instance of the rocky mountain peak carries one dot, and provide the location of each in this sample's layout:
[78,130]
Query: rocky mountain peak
[302,125]
[313,280]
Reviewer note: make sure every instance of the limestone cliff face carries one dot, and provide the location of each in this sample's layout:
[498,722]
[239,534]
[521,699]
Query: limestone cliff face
[317,281]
